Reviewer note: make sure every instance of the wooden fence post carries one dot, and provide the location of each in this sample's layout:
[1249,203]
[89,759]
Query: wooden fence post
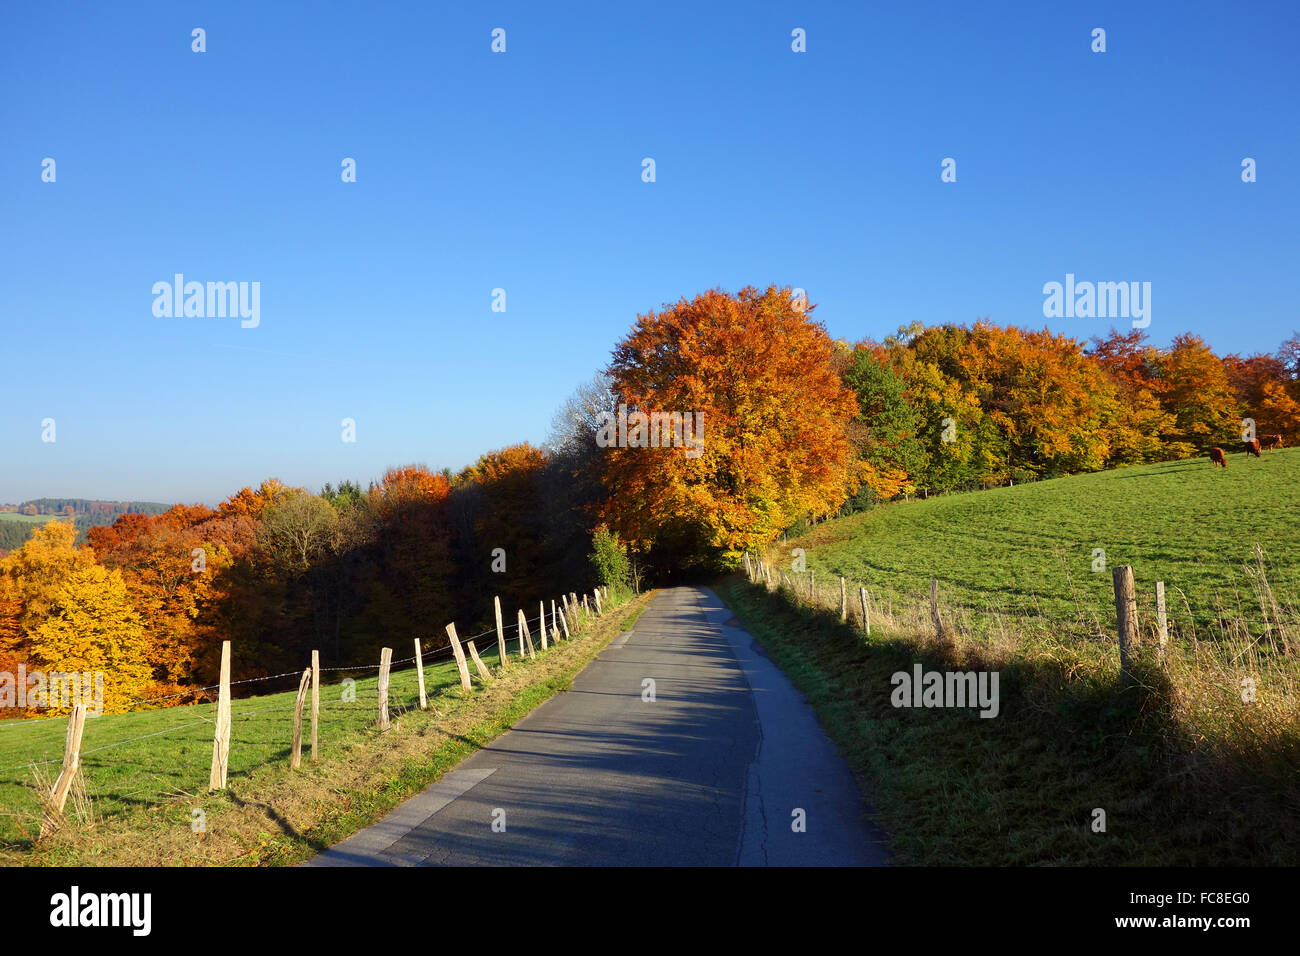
[295,761]
[564,620]
[385,663]
[221,734]
[71,760]
[483,672]
[597,594]
[844,602]
[501,633]
[749,571]
[585,608]
[1162,618]
[460,657]
[541,621]
[866,609]
[419,673]
[1125,615]
[812,587]
[555,624]
[315,702]
[525,636]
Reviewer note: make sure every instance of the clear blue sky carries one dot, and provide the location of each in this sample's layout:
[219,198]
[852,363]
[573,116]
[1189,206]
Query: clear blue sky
[523,171]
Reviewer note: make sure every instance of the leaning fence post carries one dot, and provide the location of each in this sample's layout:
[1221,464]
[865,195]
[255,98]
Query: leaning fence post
[935,618]
[1125,615]
[295,761]
[419,673]
[460,657]
[597,594]
[483,672]
[1162,618]
[564,620]
[71,760]
[221,734]
[844,602]
[866,609]
[501,632]
[315,700]
[525,636]
[385,663]
[749,569]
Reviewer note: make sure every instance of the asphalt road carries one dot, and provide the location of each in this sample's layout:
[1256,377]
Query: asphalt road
[711,772]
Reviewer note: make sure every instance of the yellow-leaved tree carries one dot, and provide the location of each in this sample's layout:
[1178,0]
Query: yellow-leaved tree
[92,627]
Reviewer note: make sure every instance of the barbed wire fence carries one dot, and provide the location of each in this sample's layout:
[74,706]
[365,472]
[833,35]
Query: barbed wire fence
[1151,615]
[568,618]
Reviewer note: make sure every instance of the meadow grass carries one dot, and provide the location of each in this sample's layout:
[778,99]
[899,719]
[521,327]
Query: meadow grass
[1028,550]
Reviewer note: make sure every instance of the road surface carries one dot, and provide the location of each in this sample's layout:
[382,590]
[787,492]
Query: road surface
[719,769]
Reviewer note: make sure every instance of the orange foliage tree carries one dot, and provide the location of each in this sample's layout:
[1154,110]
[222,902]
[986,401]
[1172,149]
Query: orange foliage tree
[757,372]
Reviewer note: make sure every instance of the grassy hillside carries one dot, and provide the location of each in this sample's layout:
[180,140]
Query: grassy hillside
[1187,770]
[1028,550]
[19,518]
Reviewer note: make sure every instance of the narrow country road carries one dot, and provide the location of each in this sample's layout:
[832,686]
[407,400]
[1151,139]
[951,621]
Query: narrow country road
[711,772]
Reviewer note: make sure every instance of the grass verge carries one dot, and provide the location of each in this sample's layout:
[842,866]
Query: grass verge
[1023,788]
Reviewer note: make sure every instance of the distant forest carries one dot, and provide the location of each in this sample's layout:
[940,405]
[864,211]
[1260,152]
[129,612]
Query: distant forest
[86,513]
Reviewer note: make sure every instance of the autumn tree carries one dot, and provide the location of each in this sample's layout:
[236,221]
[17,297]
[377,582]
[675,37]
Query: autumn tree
[498,510]
[29,580]
[30,575]
[1143,430]
[961,445]
[407,584]
[1259,383]
[92,627]
[754,370]
[1198,394]
[1050,402]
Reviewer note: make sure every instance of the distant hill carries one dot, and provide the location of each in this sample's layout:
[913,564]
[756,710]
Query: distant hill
[17,525]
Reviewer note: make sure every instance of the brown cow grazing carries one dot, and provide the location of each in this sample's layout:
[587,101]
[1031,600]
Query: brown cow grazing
[1217,457]
[1270,441]
[1251,447]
